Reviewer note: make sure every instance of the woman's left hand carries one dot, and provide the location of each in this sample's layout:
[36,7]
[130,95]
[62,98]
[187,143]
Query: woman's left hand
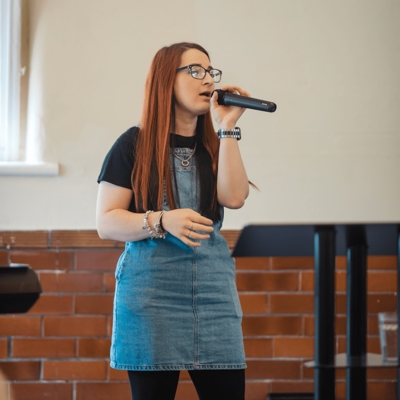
[227,116]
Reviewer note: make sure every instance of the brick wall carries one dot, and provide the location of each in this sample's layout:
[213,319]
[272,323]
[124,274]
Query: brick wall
[59,349]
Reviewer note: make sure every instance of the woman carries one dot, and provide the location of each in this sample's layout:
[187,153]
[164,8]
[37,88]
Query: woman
[163,186]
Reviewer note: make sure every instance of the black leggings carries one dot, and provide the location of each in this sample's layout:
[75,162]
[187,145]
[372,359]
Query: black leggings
[210,384]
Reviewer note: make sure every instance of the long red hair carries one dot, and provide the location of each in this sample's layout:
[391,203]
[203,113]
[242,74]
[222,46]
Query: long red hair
[152,159]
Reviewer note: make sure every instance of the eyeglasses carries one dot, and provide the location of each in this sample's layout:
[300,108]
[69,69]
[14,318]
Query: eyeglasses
[199,72]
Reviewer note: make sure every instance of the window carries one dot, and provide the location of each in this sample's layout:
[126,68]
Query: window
[10,75]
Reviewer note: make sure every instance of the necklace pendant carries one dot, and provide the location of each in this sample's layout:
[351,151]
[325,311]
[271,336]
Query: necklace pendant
[185,163]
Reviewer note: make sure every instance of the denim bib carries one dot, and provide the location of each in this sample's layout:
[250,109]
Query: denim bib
[177,307]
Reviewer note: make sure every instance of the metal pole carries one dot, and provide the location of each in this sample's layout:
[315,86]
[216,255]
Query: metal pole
[356,323]
[324,253]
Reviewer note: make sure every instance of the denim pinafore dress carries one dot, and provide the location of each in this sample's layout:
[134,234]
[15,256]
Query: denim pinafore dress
[177,307]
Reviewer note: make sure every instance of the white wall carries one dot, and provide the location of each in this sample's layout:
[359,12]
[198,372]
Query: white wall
[331,152]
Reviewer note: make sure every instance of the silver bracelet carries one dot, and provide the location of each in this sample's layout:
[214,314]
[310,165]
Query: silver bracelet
[232,133]
[146,224]
[157,232]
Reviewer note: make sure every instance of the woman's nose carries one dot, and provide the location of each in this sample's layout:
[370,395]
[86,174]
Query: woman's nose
[208,79]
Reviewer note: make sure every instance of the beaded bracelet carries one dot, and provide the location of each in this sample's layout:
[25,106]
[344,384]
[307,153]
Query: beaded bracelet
[158,233]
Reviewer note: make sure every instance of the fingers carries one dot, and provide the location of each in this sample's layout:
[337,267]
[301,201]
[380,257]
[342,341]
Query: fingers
[192,237]
[188,226]
[236,90]
[193,233]
[226,117]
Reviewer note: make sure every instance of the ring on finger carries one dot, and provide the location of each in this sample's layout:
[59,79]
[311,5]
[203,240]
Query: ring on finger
[188,234]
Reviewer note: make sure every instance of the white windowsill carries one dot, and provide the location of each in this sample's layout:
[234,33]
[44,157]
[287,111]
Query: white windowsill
[21,168]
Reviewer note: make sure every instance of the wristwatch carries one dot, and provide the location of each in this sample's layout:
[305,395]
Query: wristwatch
[233,133]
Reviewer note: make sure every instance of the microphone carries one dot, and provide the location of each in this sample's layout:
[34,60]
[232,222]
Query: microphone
[226,98]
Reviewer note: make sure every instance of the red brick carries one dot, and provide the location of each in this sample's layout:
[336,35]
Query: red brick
[253,303]
[341,390]
[340,303]
[78,239]
[293,347]
[44,259]
[252,263]
[373,345]
[373,324]
[340,281]
[97,260]
[103,391]
[267,281]
[257,390]
[382,390]
[117,375]
[292,263]
[40,391]
[184,375]
[109,282]
[308,373]
[186,391]
[340,345]
[45,348]
[94,304]
[382,282]
[292,303]
[381,373]
[340,325]
[74,370]
[4,258]
[71,282]
[382,262]
[309,325]
[94,347]
[340,262]
[292,386]
[258,347]
[373,262]
[109,325]
[381,303]
[75,326]
[306,281]
[273,369]
[11,325]
[279,325]
[20,370]
[52,304]
[24,239]
[3,348]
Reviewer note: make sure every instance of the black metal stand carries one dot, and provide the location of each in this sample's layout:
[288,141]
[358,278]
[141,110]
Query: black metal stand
[324,260]
[356,241]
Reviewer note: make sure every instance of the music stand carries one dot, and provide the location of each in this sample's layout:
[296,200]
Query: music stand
[19,288]
[324,242]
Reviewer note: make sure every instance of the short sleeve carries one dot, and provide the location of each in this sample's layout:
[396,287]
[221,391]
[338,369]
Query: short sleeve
[118,163]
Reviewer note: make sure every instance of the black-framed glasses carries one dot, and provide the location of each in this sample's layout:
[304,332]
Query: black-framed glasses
[199,72]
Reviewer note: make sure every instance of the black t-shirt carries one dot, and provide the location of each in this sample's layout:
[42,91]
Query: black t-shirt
[118,163]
